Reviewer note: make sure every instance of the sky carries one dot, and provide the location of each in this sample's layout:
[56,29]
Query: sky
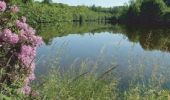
[103,3]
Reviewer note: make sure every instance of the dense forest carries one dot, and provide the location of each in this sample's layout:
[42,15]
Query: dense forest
[155,12]
[140,12]
[45,12]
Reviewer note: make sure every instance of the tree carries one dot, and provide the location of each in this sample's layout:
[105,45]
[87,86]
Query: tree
[47,1]
[152,10]
[167,2]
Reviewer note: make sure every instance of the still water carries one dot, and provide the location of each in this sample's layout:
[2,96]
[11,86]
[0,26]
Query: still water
[137,53]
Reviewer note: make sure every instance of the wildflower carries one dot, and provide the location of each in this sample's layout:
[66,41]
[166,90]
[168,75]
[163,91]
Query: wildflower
[23,44]
[9,37]
[27,55]
[14,9]
[31,76]
[14,38]
[37,40]
[26,89]
[2,6]
[21,25]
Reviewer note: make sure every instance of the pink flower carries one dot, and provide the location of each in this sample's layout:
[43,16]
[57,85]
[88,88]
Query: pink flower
[8,36]
[26,90]
[2,6]
[22,44]
[14,9]
[32,67]
[37,40]
[21,25]
[27,55]
[14,38]
[27,33]
[32,76]
[7,31]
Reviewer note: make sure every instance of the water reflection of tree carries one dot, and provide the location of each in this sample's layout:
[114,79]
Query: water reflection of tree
[148,38]
[50,31]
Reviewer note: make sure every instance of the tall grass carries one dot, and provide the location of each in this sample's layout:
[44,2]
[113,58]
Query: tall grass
[88,85]
[84,87]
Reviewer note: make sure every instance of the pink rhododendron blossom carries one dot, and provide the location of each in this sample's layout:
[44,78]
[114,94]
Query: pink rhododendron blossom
[30,30]
[28,34]
[21,40]
[14,9]
[36,40]
[26,89]
[14,39]
[21,25]
[2,6]
[27,55]
[8,36]
[7,31]
[31,76]
[32,67]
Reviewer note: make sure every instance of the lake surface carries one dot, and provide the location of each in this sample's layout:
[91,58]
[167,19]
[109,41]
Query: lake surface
[142,54]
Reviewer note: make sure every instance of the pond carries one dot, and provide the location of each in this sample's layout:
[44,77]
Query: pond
[141,54]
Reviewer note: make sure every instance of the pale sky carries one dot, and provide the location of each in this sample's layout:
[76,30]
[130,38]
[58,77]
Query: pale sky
[103,3]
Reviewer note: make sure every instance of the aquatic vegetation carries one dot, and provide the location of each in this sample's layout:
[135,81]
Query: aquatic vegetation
[89,85]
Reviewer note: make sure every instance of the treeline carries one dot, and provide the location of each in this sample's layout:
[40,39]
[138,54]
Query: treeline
[137,12]
[44,12]
[142,12]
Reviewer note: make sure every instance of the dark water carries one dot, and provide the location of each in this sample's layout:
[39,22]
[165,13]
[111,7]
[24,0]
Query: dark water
[137,52]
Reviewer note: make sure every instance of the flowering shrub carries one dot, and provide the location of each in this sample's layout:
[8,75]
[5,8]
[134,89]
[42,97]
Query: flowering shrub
[2,6]
[18,44]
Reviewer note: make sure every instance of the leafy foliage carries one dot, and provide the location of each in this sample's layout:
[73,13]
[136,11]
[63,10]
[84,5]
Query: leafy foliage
[154,12]
[54,12]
